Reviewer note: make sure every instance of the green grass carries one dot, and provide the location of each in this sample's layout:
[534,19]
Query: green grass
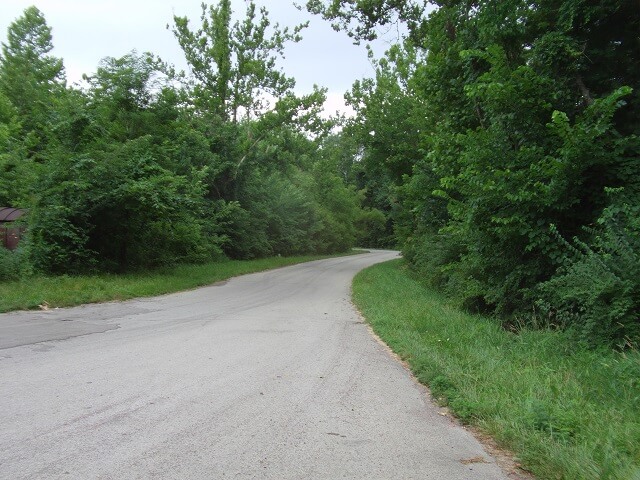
[566,413]
[67,291]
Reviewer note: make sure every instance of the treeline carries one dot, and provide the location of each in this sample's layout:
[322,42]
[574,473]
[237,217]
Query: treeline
[502,140]
[142,166]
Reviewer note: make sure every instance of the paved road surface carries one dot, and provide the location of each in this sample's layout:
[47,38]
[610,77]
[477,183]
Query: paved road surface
[269,376]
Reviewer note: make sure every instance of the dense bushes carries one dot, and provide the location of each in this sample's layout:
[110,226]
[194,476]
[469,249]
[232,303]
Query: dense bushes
[13,264]
[275,217]
[288,215]
[117,210]
[597,293]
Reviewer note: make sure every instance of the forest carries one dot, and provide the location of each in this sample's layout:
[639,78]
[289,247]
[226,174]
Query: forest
[497,145]
[143,166]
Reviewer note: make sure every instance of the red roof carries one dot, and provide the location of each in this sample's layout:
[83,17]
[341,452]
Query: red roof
[8,214]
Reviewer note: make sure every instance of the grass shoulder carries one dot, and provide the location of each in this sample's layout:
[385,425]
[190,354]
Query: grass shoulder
[65,291]
[566,413]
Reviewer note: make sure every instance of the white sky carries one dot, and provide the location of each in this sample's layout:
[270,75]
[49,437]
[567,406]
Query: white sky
[85,31]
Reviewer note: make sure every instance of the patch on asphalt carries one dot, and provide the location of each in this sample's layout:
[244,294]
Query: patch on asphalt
[469,461]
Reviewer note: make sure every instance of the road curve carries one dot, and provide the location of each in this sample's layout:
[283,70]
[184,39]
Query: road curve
[268,376]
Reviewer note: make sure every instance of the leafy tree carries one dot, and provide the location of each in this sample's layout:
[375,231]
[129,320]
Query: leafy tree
[12,173]
[116,210]
[361,18]
[29,77]
[388,124]
[122,95]
[31,88]
[234,76]
[339,210]
[234,65]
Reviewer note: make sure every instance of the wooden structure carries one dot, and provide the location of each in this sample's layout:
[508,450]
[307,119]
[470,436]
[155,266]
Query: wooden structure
[10,234]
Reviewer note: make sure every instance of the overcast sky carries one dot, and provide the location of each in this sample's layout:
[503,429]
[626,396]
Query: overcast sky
[85,31]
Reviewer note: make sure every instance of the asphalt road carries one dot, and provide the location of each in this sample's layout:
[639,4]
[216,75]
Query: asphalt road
[268,376]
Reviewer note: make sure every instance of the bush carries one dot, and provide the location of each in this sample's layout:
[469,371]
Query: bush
[118,210]
[13,264]
[8,265]
[372,226]
[598,292]
[275,216]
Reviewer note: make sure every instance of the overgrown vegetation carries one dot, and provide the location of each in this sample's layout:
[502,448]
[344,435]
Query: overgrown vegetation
[566,412]
[64,291]
[142,167]
[490,137]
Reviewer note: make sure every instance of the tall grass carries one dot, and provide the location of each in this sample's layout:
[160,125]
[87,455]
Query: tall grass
[63,291]
[566,413]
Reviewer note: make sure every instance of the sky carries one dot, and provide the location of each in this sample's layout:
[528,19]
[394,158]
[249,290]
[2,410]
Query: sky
[85,31]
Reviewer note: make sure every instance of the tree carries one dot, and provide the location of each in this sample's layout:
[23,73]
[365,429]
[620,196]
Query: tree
[234,66]
[30,77]
[361,18]
[118,209]
[234,75]
[31,88]
[140,169]
[12,175]
[125,93]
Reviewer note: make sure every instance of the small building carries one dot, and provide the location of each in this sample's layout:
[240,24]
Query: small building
[10,234]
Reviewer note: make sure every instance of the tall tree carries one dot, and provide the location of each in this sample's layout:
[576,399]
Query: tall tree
[234,65]
[31,87]
[241,95]
[361,18]
[29,76]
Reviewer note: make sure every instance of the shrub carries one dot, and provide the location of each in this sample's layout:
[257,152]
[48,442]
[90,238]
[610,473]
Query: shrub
[372,226]
[118,210]
[13,264]
[598,292]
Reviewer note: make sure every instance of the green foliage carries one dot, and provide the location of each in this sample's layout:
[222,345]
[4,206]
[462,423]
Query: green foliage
[15,174]
[13,264]
[386,131]
[118,209]
[275,217]
[234,65]
[338,208]
[490,123]
[500,208]
[129,97]
[144,167]
[372,226]
[289,214]
[31,79]
[28,73]
[597,293]
[360,18]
